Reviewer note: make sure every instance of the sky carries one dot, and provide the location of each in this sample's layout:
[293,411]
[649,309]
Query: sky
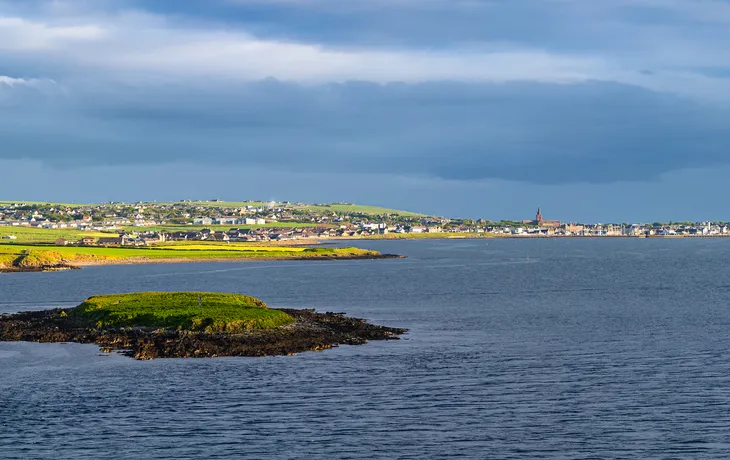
[597,111]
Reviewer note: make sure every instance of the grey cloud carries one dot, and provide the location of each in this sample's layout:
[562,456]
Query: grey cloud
[595,132]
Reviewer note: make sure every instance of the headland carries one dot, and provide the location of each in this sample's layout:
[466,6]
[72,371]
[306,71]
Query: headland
[33,258]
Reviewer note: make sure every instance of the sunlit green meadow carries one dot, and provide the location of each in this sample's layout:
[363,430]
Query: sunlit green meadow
[195,311]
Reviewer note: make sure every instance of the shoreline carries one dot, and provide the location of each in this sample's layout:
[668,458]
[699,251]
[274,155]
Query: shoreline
[55,268]
[482,236]
[143,260]
[173,260]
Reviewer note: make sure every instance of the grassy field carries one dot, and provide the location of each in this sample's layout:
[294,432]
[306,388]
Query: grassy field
[196,311]
[27,235]
[218,204]
[70,205]
[236,247]
[319,208]
[7,260]
[357,209]
[339,208]
[28,256]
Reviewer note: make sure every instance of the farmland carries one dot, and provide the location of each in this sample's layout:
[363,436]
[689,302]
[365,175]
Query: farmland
[188,228]
[31,235]
[18,256]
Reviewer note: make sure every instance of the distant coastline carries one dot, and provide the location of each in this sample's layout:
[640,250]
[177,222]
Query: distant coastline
[458,236]
[50,258]
[282,222]
[43,258]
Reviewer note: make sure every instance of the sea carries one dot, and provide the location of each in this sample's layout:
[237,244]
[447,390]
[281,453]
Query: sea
[518,349]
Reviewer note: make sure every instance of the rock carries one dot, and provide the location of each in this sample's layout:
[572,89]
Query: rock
[311,331]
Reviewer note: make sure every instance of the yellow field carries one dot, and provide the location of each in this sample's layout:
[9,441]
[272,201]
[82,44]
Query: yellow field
[17,255]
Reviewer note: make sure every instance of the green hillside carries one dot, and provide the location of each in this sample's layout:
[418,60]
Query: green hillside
[340,208]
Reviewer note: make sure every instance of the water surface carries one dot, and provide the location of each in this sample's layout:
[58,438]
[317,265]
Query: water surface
[548,348]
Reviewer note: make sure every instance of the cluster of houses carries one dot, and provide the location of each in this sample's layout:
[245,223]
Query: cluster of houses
[37,220]
[117,217]
[113,216]
[228,220]
[206,234]
[706,229]
[365,229]
[122,239]
[144,238]
[126,223]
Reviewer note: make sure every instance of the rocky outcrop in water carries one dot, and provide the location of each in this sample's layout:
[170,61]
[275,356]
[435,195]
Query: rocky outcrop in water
[311,331]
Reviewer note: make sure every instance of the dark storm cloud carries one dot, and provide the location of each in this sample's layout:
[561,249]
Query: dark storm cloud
[540,133]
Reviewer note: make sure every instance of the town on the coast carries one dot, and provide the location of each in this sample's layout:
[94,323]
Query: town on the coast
[144,223]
